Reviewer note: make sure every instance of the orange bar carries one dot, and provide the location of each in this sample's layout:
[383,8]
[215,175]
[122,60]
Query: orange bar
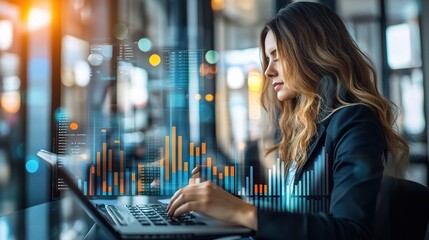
[109,189]
[197,151]
[133,177]
[209,162]
[179,168]
[256,189]
[260,189]
[186,166]
[139,183]
[226,171]
[214,170]
[173,150]
[232,171]
[220,176]
[203,148]
[104,186]
[191,149]
[121,174]
[98,164]
[167,156]
[90,180]
[161,162]
[115,178]
[265,189]
[104,166]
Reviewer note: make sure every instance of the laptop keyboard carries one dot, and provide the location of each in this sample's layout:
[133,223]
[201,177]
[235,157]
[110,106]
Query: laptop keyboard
[156,214]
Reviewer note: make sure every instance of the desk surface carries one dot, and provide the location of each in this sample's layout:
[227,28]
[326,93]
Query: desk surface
[61,219]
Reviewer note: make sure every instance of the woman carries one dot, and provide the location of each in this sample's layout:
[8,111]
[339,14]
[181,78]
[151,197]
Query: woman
[331,111]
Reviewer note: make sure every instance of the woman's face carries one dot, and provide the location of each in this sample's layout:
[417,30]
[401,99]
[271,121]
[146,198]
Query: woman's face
[273,72]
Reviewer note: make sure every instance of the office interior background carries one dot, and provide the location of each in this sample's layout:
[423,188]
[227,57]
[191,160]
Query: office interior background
[141,66]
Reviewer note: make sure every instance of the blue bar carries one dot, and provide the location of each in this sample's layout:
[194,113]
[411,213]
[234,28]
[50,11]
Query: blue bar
[98,185]
[133,187]
[79,184]
[209,173]
[85,188]
[110,182]
[247,186]
[161,180]
[127,182]
[251,181]
[278,177]
[269,182]
[173,181]
[191,164]
[227,183]
[283,178]
[274,180]
[203,174]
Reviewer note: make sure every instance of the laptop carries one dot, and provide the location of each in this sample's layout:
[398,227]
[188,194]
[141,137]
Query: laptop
[146,221]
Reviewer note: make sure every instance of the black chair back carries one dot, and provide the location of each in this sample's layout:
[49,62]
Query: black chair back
[402,210]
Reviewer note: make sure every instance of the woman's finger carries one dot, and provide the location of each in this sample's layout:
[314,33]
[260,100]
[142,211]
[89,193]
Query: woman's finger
[187,207]
[196,170]
[183,198]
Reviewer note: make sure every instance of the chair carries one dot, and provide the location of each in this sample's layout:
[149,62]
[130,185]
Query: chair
[402,210]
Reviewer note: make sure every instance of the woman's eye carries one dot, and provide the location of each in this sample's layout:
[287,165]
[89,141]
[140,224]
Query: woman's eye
[276,60]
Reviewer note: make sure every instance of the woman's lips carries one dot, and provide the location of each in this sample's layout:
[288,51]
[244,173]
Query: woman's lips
[277,86]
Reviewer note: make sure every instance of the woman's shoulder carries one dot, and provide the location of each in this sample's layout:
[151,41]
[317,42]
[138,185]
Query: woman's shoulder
[353,115]
[351,111]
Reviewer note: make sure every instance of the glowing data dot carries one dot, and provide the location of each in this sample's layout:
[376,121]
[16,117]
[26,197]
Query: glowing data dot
[145,45]
[209,97]
[74,126]
[32,166]
[197,96]
[154,60]
[212,57]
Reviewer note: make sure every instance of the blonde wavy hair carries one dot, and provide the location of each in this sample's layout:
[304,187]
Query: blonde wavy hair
[323,64]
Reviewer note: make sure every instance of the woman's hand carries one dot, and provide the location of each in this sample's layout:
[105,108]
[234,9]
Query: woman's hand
[209,199]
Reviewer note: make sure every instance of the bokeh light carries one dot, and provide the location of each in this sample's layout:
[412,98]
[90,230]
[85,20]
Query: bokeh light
[145,45]
[209,97]
[198,97]
[74,126]
[95,59]
[235,77]
[32,166]
[11,101]
[120,31]
[154,60]
[254,81]
[38,18]
[212,57]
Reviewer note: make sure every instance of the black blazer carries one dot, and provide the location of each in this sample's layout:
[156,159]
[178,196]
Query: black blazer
[339,203]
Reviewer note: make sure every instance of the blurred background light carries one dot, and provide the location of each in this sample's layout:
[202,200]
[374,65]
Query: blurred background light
[120,31]
[11,101]
[209,97]
[235,78]
[197,96]
[154,60]
[38,18]
[95,59]
[145,45]
[82,73]
[6,33]
[32,166]
[212,57]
